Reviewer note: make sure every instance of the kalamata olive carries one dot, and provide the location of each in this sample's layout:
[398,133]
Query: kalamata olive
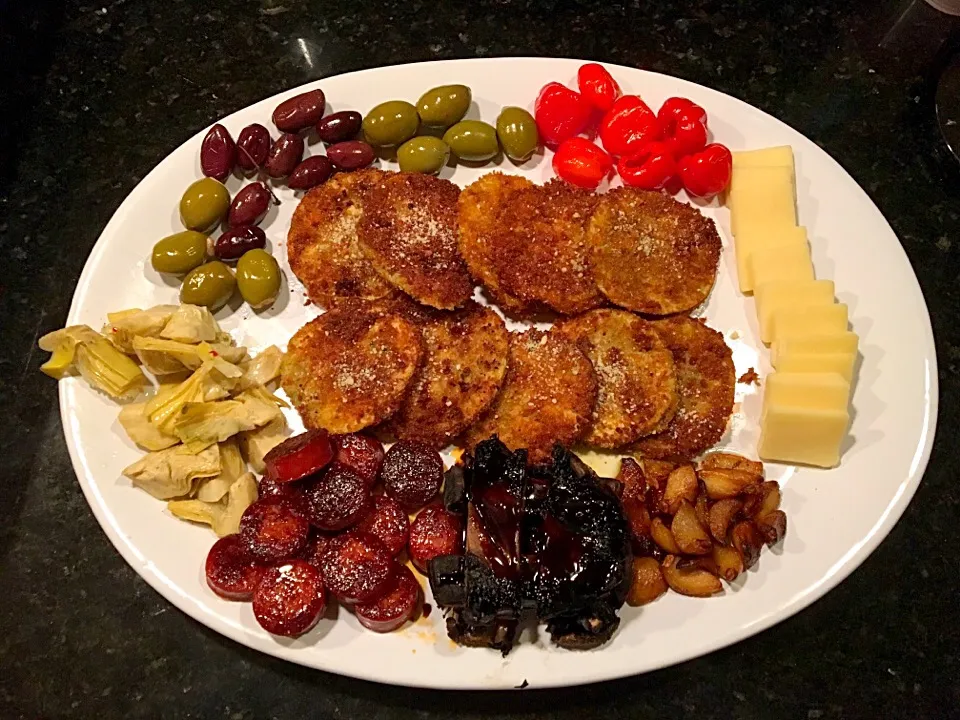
[234,243]
[218,153]
[311,172]
[300,112]
[339,126]
[204,204]
[253,146]
[351,155]
[285,155]
[249,206]
[258,278]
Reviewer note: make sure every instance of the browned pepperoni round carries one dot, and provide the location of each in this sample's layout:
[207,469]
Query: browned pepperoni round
[412,473]
[357,567]
[274,528]
[337,500]
[434,532]
[299,456]
[231,570]
[289,598]
[272,488]
[316,547]
[361,453]
[389,522]
[395,606]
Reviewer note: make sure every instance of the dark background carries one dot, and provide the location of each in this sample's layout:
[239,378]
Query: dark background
[93,95]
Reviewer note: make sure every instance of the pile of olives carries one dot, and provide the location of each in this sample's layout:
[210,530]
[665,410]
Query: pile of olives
[396,123]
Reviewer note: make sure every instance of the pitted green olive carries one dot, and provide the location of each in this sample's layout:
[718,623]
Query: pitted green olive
[258,277]
[204,204]
[424,154]
[391,123]
[210,285]
[472,140]
[445,105]
[517,132]
[180,252]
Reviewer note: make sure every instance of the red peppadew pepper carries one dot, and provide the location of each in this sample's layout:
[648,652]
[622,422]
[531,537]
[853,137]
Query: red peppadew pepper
[560,113]
[707,173]
[597,86]
[652,167]
[581,163]
[684,125]
[629,124]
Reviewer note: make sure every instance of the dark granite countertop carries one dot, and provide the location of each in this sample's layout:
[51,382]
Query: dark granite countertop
[95,94]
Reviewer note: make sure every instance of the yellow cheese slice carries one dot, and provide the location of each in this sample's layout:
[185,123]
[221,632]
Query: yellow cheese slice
[840,363]
[840,342]
[762,196]
[802,435]
[789,323]
[754,239]
[772,296]
[780,155]
[782,263]
[815,391]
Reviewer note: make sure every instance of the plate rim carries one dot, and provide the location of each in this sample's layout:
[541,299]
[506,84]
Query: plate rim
[857,555]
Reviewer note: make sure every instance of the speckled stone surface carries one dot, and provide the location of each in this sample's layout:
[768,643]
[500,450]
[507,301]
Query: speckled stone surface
[94,95]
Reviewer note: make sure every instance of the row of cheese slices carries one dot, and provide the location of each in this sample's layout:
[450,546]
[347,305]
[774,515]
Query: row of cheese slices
[805,402]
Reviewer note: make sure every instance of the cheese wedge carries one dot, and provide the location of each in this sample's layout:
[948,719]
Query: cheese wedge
[782,263]
[840,363]
[781,155]
[789,323]
[802,435]
[754,239]
[840,342]
[762,196]
[773,296]
[814,391]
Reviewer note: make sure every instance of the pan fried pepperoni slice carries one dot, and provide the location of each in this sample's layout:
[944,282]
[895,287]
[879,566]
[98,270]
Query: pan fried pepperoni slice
[299,456]
[349,369]
[315,548]
[360,453]
[394,607]
[388,521]
[232,572]
[412,473]
[651,253]
[274,528]
[271,488]
[289,598]
[434,532]
[547,397]
[409,234]
[357,567]
[337,500]
[636,378]
[706,379]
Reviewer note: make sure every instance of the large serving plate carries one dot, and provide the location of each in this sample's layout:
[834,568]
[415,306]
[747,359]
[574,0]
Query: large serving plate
[837,517]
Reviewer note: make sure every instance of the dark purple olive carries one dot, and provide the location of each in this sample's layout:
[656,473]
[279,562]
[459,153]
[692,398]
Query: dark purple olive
[253,146]
[249,206]
[351,155]
[285,155]
[300,112]
[311,172]
[339,126]
[234,243]
[218,153]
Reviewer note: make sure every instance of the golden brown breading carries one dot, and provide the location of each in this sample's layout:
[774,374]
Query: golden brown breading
[540,248]
[651,253]
[480,207]
[409,233]
[322,243]
[349,369]
[636,378]
[705,382]
[547,397]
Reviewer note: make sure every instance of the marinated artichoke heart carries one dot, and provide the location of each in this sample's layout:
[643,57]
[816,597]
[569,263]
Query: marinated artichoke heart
[95,357]
[232,466]
[199,425]
[193,324]
[205,385]
[262,369]
[133,419]
[166,357]
[122,327]
[170,473]
[224,515]
[255,444]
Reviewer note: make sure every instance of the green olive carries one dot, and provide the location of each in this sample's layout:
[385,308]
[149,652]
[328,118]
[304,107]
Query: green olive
[180,252]
[423,154]
[204,204]
[517,131]
[258,277]
[443,106]
[210,285]
[472,140]
[391,123]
